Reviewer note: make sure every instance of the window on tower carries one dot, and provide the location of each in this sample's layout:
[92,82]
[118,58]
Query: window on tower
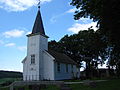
[33,59]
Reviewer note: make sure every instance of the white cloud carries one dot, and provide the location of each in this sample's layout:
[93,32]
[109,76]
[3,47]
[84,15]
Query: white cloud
[13,33]
[45,1]
[71,10]
[10,45]
[28,33]
[55,17]
[80,27]
[1,42]
[84,20]
[1,6]
[22,48]
[19,5]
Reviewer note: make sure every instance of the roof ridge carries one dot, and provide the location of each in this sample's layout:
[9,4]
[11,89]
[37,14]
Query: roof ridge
[61,57]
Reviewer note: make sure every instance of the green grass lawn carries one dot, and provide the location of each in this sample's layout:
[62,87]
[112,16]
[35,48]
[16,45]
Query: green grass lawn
[3,80]
[72,80]
[51,87]
[1,88]
[105,85]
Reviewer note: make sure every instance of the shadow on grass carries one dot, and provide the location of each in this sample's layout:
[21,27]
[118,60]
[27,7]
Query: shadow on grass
[105,85]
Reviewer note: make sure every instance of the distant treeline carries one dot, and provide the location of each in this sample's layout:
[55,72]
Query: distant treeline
[10,74]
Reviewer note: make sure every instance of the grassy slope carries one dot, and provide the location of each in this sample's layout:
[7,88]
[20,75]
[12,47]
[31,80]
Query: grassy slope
[53,87]
[10,74]
[3,80]
[106,85]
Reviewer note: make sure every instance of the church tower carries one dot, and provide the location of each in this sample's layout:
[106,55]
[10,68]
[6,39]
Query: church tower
[36,45]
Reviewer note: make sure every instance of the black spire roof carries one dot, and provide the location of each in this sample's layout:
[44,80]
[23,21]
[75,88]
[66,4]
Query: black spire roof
[38,25]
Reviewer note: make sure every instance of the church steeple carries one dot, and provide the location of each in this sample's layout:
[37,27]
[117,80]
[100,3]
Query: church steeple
[38,25]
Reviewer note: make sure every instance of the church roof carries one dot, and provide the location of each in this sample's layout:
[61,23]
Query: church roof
[38,25]
[60,57]
[24,59]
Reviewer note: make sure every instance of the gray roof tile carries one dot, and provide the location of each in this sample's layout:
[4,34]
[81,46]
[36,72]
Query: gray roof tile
[60,57]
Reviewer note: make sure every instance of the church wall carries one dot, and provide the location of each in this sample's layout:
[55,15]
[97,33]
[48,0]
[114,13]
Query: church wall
[43,43]
[36,45]
[32,71]
[76,71]
[48,67]
[24,70]
[71,74]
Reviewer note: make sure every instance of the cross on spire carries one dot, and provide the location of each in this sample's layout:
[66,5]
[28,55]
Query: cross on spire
[39,4]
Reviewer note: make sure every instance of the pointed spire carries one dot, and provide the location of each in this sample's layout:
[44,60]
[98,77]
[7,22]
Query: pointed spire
[38,25]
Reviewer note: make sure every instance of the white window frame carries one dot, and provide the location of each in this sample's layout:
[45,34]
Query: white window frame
[33,59]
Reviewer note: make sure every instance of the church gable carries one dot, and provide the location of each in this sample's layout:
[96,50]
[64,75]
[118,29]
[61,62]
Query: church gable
[24,60]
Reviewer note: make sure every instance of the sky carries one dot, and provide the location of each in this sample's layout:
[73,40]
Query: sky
[17,19]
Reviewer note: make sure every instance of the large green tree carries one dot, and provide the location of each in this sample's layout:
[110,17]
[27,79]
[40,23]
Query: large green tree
[107,14]
[87,46]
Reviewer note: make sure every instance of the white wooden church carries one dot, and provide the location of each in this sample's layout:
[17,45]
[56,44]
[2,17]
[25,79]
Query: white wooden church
[42,63]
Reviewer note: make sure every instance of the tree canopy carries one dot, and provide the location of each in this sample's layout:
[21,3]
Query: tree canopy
[87,46]
[94,47]
[107,14]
